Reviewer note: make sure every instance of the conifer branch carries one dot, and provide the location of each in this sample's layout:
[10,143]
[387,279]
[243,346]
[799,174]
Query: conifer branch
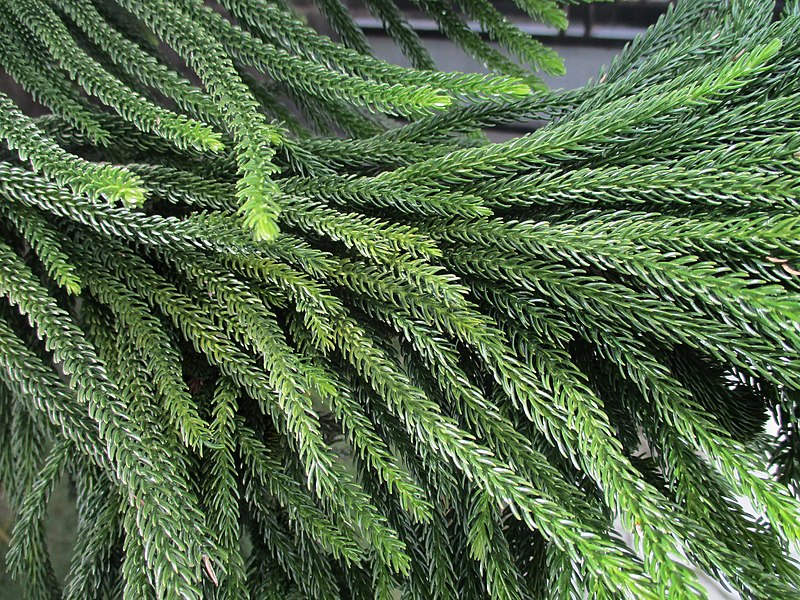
[285,345]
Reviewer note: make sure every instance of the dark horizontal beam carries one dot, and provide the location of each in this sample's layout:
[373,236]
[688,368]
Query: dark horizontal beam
[609,36]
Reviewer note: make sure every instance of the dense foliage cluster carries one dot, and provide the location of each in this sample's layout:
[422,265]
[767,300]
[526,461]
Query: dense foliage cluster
[350,349]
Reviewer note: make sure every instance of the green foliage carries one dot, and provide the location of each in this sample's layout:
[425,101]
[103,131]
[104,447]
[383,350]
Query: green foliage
[289,326]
